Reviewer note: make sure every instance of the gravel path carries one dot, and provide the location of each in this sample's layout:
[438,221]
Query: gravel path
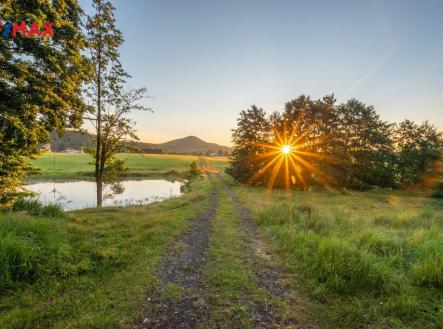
[180,300]
[181,272]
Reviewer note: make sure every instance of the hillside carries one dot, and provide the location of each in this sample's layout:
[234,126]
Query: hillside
[186,145]
[192,144]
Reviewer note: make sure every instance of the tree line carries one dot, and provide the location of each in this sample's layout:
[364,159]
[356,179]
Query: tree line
[57,83]
[343,145]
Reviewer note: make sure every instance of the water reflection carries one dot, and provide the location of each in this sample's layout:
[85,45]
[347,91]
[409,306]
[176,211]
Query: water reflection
[82,194]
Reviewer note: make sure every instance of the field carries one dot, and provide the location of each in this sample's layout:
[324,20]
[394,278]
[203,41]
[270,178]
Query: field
[319,259]
[139,165]
[372,258]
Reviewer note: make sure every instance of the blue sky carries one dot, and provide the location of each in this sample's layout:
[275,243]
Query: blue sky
[205,61]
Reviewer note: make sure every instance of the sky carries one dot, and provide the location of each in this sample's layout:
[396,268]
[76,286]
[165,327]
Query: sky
[204,61]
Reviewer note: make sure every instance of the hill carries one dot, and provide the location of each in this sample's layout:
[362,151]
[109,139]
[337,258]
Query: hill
[186,145]
[193,144]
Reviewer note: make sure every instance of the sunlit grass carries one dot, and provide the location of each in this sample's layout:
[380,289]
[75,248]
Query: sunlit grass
[372,258]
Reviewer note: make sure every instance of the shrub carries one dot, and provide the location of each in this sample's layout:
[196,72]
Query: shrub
[438,191]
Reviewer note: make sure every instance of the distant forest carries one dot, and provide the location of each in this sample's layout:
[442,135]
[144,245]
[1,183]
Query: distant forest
[70,140]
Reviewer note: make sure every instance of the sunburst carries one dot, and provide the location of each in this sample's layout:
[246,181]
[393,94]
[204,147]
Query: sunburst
[287,162]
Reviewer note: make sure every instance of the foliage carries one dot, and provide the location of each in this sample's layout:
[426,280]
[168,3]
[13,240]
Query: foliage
[438,191]
[194,171]
[252,130]
[40,85]
[419,149]
[338,145]
[70,140]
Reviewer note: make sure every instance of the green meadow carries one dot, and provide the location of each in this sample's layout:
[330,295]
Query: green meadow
[139,165]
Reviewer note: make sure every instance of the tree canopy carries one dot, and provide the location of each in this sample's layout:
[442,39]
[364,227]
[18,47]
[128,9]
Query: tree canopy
[41,80]
[320,142]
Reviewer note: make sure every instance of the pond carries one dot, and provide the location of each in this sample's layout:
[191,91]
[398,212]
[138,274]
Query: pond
[72,195]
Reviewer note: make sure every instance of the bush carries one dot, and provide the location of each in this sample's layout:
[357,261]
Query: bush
[30,248]
[35,208]
[438,191]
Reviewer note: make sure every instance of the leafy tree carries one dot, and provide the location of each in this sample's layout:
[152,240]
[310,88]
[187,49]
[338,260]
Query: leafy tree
[112,102]
[194,171]
[253,129]
[41,82]
[345,145]
[419,148]
[366,146]
[313,124]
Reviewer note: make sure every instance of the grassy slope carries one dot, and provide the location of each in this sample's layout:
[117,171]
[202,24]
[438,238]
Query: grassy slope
[78,165]
[105,262]
[372,258]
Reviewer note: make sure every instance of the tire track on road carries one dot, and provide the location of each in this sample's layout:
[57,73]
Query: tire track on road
[180,300]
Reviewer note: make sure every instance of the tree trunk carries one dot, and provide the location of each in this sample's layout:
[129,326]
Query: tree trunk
[98,172]
[99,193]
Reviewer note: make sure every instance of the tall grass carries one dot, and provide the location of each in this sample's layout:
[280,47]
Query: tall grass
[35,208]
[30,248]
[387,269]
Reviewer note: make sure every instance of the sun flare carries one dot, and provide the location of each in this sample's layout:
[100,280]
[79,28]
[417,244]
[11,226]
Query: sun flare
[286,149]
[287,160]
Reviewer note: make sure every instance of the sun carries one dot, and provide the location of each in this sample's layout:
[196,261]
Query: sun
[286,149]
[288,161]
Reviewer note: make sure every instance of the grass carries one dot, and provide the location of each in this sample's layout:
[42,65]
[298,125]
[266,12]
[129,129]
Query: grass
[71,166]
[35,208]
[369,258]
[90,269]
[229,280]
[372,258]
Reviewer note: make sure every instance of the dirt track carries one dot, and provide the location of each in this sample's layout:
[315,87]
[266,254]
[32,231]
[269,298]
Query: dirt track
[179,301]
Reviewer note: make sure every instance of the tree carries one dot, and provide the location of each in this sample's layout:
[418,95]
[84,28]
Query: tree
[41,80]
[314,126]
[194,171]
[252,131]
[419,149]
[112,102]
[366,147]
